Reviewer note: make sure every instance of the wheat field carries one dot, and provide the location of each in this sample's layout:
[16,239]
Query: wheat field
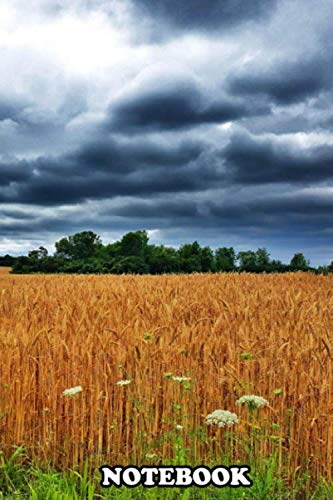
[231,335]
[5,270]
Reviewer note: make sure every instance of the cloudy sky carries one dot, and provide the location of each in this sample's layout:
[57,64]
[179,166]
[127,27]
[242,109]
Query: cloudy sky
[194,120]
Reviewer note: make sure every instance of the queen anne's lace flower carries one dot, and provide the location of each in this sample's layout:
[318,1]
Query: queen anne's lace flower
[222,418]
[181,379]
[72,391]
[124,382]
[252,401]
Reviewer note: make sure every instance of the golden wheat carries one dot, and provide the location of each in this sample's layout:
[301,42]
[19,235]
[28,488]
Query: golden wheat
[5,270]
[269,335]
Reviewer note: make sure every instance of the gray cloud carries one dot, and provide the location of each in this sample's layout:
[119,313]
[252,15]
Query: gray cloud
[201,120]
[204,16]
[252,161]
[110,169]
[102,170]
[14,171]
[286,82]
[8,110]
[181,105]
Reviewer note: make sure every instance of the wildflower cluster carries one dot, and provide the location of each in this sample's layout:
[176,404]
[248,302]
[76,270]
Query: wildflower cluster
[124,382]
[180,379]
[222,418]
[252,401]
[72,391]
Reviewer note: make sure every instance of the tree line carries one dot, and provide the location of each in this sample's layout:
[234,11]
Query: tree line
[84,253]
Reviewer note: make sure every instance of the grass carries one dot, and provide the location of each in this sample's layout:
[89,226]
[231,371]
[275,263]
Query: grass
[21,479]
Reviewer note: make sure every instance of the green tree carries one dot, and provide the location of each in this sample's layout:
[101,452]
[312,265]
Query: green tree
[225,259]
[7,260]
[130,265]
[38,254]
[325,270]
[190,257]
[78,246]
[22,265]
[299,263]
[262,259]
[111,251]
[134,244]
[276,266]
[247,261]
[163,260]
[84,253]
[207,260]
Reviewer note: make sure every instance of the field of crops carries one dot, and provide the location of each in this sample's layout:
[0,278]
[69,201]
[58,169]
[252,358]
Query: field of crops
[5,270]
[225,336]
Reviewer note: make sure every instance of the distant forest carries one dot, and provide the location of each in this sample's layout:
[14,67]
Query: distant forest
[84,253]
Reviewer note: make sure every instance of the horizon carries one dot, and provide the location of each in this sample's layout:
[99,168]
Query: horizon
[52,249]
[198,121]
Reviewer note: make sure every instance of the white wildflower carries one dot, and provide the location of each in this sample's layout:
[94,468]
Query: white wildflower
[181,379]
[222,418]
[252,401]
[179,427]
[124,382]
[72,391]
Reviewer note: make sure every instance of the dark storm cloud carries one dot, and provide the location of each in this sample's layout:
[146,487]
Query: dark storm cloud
[122,131]
[158,209]
[228,210]
[251,161]
[15,110]
[105,170]
[16,214]
[204,15]
[304,208]
[301,213]
[124,157]
[286,82]
[14,171]
[175,107]
[35,225]
[110,169]
[54,188]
